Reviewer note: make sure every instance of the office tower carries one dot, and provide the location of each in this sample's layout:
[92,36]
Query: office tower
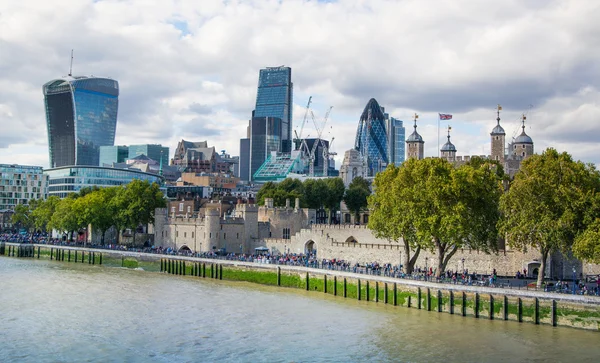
[396,140]
[265,137]
[371,138]
[81,116]
[275,99]
[110,155]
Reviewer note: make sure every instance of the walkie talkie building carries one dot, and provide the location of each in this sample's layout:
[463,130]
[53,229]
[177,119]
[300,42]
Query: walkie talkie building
[81,116]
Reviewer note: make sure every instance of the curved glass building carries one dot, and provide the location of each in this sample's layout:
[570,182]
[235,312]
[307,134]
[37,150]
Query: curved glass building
[371,138]
[81,116]
[70,179]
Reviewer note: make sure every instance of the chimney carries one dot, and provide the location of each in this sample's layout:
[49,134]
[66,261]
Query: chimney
[287,203]
[297,204]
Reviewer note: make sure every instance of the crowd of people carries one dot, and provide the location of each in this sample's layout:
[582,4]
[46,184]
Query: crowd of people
[463,277]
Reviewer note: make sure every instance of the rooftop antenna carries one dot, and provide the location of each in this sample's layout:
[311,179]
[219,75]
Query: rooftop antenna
[71,66]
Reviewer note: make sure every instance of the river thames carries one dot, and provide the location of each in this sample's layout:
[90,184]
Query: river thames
[60,312]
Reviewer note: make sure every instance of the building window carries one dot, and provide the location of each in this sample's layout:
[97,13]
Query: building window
[192,234]
[177,234]
[172,209]
[523,153]
[497,137]
[181,207]
[347,218]
[189,209]
[365,218]
[286,233]
[224,235]
[237,236]
[522,146]
[210,235]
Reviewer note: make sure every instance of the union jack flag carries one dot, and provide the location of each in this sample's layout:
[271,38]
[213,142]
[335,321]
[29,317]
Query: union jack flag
[445,116]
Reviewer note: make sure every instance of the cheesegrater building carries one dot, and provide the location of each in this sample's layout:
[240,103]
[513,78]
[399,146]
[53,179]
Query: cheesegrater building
[81,116]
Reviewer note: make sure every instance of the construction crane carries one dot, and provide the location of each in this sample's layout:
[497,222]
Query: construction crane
[298,140]
[326,155]
[319,129]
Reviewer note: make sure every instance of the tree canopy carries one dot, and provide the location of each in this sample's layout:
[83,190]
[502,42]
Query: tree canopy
[550,204]
[356,195]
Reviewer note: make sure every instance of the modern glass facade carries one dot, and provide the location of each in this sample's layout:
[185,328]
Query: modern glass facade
[265,138]
[275,99]
[81,116]
[371,138]
[113,154]
[65,180]
[20,183]
[397,140]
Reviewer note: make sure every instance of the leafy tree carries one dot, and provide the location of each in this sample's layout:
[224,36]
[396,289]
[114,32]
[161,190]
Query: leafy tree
[587,244]
[315,192]
[287,189]
[391,206]
[98,209]
[67,216]
[356,195]
[22,215]
[43,212]
[266,191]
[548,206]
[334,195]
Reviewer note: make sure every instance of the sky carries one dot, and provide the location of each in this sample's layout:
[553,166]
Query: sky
[189,69]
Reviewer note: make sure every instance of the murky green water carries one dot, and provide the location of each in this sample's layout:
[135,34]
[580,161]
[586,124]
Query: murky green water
[60,312]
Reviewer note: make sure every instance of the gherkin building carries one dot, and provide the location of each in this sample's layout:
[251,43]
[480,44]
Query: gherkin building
[371,138]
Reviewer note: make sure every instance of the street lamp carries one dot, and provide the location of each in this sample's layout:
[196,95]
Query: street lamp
[574,272]
[426,269]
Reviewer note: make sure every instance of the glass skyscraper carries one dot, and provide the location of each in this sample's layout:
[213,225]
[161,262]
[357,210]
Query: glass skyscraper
[275,99]
[371,138]
[264,138]
[81,116]
[397,139]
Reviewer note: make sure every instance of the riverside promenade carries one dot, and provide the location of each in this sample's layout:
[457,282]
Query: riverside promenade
[302,270]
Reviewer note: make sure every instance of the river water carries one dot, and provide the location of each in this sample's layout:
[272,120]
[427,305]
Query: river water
[59,312]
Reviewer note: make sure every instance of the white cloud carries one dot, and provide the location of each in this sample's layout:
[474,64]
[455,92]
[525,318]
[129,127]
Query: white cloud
[428,56]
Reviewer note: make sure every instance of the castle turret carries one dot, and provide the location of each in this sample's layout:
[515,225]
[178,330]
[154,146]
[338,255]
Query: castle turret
[448,150]
[415,146]
[522,146]
[498,137]
[213,227]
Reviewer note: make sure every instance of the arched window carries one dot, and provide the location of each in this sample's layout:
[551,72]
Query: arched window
[354,172]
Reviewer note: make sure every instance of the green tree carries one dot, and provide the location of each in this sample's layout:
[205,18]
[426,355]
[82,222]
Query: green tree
[547,206]
[315,192]
[266,191]
[22,215]
[42,214]
[392,209]
[356,196]
[98,209]
[335,194]
[587,244]
[67,216]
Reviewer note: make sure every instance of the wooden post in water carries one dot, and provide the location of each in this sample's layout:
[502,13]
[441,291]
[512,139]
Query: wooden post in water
[69,258]
[220,272]
[419,298]
[440,301]
[38,252]
[491,307]
[161,265]
[101,258]
[93,258]
[345,290]
[519,310]
[376,291]
[395,294]
[358,290]
[451,302]
[505,308]
[82,256]
[554,320]
[464,304]
[203,269]
[476,305]
[278,276]
[324,284]
[334,285]
[428,299]
[536,311]
[367,292]
[385,293]
[409,303]
[184,271]
[307,282]
[51,252]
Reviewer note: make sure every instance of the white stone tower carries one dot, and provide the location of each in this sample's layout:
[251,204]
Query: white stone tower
[448,150]
[415,146]
[498,139]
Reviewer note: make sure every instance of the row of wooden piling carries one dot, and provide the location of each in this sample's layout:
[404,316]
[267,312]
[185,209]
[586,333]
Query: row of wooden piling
[57,254]
[428,305]
[179,267]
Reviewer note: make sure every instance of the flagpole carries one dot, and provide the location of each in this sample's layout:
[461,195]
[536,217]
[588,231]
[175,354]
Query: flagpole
[439,116]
